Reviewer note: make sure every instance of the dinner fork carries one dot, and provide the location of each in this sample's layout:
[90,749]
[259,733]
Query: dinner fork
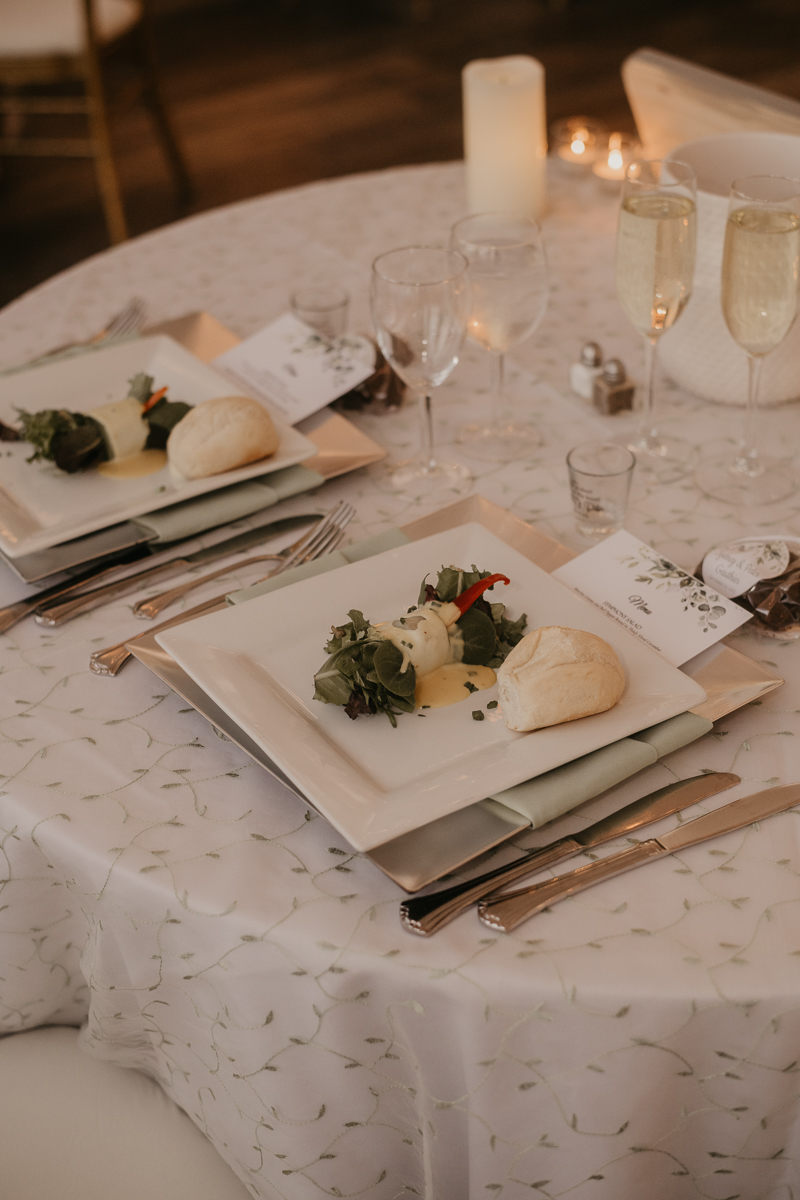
[317,538]
[112,659]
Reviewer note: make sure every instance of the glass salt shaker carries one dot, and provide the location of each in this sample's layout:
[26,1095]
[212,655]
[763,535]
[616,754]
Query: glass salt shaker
[583,373]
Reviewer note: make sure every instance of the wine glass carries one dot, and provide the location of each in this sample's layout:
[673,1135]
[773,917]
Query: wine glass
[508,287]
[420,298]
[656,239]
[760,264]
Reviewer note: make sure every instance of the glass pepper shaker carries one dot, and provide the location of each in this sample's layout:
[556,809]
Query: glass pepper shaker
[613,391]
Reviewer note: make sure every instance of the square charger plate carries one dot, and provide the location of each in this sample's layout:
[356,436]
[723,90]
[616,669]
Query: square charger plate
[371,781]
[41,506]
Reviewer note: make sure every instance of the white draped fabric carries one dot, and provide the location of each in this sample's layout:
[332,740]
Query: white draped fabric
[639,1040]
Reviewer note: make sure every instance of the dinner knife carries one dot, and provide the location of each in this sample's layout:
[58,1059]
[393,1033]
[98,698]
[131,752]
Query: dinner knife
[11,613]
[505,912]
[426,914]
[55,611]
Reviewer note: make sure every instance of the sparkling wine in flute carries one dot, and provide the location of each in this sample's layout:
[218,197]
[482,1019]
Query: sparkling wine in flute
[759,288]
[759,277]
[656,242]
[655,259]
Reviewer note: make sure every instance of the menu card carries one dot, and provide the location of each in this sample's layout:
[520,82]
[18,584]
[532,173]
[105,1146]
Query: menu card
[662,604]
[296,369]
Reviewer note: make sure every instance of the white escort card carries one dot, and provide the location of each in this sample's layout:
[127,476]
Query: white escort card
[662,604]
[295,368]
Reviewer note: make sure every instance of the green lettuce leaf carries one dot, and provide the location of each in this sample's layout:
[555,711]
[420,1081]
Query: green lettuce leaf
[480,637]
[141,387]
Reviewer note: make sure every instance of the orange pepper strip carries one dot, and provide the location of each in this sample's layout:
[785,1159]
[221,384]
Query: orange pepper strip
[154,399]
[469,597]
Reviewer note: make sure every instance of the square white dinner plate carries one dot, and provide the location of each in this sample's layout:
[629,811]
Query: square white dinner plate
[372,782]
[41,506]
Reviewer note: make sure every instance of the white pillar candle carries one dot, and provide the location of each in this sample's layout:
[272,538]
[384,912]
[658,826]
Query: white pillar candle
[505,139]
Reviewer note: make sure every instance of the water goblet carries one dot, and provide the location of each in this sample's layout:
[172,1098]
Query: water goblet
[760,266]
[420,298]
[656,240]
[508,297]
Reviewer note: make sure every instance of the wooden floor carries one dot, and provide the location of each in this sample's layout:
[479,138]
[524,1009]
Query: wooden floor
[266,94]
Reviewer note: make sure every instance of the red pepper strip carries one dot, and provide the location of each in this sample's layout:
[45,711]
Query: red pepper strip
[469,597]
[154,399]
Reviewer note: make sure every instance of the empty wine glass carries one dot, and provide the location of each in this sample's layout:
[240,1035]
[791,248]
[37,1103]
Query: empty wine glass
[420,298]
[760,263]
[508,288]
[656,239]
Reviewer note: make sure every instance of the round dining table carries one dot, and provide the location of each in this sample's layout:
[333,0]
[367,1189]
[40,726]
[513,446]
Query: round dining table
[160,889]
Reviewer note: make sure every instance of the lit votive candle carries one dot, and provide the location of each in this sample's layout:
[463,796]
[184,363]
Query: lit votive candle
[575,140]
[612,163]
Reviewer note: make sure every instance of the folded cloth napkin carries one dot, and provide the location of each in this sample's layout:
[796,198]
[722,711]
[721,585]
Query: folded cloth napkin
[71,352]
[184,520]
[546,796]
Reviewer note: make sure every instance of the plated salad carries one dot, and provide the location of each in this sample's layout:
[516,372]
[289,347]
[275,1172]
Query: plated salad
[441,651]
[75,441]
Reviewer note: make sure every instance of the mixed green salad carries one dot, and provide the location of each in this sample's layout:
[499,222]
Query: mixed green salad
[366,672]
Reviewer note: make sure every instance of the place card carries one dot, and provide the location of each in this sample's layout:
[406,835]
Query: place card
[296,369]
[662,604]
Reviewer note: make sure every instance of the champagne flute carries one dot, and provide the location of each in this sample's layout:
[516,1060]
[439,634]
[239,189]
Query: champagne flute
[508,287]
[656,239]
[760,267]
[420,299]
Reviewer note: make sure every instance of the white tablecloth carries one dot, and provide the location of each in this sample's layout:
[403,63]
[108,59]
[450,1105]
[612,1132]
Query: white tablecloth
[641,1039]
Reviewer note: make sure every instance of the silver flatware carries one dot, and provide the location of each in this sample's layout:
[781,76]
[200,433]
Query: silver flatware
[505,912]
[427,914]
[56,610]
[12,613]
[130,320]
[293,554]
[112,659]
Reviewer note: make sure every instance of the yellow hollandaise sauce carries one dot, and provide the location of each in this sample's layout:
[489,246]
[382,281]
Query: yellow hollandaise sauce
[134,466]
[447,684]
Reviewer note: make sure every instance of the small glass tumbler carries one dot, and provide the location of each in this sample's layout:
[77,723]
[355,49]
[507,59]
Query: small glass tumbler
[323,308]
[600,476]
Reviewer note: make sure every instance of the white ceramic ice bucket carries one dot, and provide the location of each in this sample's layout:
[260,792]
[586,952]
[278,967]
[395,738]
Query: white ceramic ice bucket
[699,353]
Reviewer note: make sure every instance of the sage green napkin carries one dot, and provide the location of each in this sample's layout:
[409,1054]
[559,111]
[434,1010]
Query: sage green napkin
[548,796]
[554,793]
[44,360]
[179,521]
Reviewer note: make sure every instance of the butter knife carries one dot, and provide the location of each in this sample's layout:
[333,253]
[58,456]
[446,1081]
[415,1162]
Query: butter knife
[425,914]
[505,912]
[55,611]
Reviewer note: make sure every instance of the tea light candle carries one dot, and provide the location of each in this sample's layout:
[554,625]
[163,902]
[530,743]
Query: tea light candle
[505,140]
[611,167]
[574,151]
[575,140]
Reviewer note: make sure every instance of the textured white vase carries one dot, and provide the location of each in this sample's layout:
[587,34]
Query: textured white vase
[699,352]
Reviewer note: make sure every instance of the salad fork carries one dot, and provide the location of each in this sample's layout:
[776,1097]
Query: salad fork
[130,320]
[318,539]
[113,658]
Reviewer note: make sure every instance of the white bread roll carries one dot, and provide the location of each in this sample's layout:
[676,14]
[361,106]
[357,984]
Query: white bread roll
[219,435]
[556,675]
